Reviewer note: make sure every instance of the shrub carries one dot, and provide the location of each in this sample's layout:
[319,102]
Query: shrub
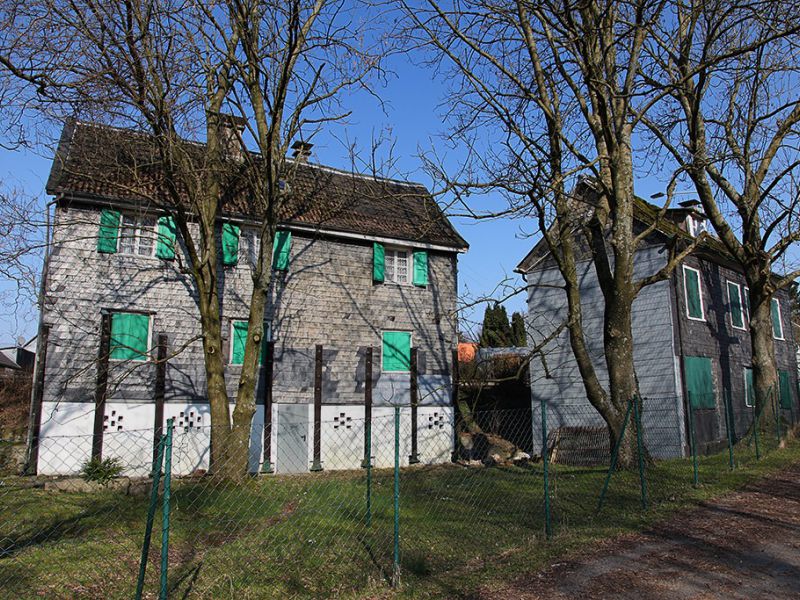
[101,471]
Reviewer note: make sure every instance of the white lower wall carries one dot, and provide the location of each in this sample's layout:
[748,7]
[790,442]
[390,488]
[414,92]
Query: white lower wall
[66,436]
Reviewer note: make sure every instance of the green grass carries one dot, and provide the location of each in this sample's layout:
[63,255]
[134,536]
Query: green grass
[307,536]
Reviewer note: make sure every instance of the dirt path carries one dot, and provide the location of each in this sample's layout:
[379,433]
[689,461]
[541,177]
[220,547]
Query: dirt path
[743,545]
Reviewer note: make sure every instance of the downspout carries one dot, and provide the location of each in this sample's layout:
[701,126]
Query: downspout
[35,415]
[681,366]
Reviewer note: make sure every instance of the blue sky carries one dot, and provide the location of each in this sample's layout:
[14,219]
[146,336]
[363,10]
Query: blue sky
[413,117]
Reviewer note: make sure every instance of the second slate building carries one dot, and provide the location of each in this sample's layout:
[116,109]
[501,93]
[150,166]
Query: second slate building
[362,263]
[691,339]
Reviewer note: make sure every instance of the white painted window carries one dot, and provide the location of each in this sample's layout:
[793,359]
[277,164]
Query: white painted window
[777,320]
[137,235]
[693,290]
[398,265]
[249,246]
[696,225]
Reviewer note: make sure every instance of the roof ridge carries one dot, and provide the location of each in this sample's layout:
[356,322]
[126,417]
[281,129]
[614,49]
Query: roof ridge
[337,170]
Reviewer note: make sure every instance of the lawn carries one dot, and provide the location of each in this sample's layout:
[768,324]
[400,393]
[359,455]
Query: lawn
[308,535]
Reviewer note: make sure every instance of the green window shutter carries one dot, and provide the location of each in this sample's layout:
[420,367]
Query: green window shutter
[281,250]
[420,268]
[785,389]
[777,326]
[734,295]
[109,231]
[167,234]
[238,342]
[129,336]
[749,390]
[694,305]
[699,382]
[396,355]
[230,244]
[378,263]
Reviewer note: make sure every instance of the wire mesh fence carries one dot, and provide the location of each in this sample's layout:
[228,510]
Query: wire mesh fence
[396,502]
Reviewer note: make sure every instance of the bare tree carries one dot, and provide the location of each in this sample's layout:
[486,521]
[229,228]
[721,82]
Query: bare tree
[172,70]
[546,100]
[730,120]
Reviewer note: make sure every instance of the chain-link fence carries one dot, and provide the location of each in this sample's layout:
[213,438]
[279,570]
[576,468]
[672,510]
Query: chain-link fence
[393,501]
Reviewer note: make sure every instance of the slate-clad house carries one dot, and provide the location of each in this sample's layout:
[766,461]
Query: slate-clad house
[359,263]
[691,337]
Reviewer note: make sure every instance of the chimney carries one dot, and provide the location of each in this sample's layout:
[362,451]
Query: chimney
[231,130]
[301,151]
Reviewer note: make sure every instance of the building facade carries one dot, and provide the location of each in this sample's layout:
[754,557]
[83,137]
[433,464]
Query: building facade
[366,266]
[691,341]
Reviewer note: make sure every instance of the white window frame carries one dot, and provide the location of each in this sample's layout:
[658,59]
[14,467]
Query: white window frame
[746,305]
[699,291]
[410,347]
[780,319]
[392,251]
[728,284]
[249,246]
[267,334]
[138,228]
[744,379]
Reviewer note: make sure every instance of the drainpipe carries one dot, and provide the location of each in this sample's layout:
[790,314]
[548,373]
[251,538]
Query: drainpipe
[681,367]
[35,415]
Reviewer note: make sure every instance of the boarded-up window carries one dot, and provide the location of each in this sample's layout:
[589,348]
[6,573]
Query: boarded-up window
[396,351]
[130,336]
[699,381]
[785,389]
[735,303]
[694,299]
[777,322]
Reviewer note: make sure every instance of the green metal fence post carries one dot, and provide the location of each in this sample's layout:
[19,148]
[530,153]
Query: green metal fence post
[548,526]
[368,465]
[729,427]
[396,562]
[693,442]
[614,456]
[158,461]
[640,450]
[165,510]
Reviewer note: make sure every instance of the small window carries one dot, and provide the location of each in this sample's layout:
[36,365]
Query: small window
[239,341]
[736,305]
[749,390]
[249,246]
[398,265]
[130,336]
[396,351]
[694,294]
[137,235]
[777,322]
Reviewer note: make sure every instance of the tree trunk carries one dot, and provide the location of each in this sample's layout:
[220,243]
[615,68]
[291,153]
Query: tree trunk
[765,376]
[623,387]
[215,379]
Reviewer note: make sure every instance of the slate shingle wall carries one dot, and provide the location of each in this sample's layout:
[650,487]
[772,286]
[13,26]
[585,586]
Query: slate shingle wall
[560,383]
[327,297]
